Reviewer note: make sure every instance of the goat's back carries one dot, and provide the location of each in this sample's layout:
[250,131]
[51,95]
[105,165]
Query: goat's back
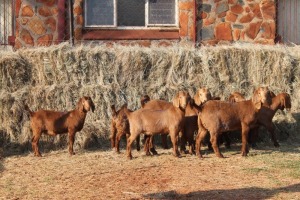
[156,104]
[221,116]
[51,121]
[156,121]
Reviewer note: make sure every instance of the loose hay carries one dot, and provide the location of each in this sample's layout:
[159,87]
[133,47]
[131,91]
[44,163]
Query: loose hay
[56,77]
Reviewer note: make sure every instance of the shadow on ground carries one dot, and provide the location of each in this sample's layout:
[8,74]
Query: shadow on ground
[243,193]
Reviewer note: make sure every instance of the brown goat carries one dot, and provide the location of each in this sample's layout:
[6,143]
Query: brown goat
[120,126]
[152,122]
[154,104]
[53,122]
[190,123]
[219,116]
[266,113]
[233,98]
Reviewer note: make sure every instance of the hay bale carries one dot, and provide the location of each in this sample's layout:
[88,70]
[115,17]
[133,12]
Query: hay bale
[56,77]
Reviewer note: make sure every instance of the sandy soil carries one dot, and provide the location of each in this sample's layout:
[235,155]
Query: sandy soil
[102,174]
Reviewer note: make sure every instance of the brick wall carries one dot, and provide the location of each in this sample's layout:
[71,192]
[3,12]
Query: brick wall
[39,22]
[236,20]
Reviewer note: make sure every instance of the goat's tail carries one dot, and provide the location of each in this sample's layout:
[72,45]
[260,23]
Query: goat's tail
[113,110]
[28,110]
[144,100]
[125,109]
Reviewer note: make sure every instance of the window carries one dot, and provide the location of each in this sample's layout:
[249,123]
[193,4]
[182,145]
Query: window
[6,21]
[131,13]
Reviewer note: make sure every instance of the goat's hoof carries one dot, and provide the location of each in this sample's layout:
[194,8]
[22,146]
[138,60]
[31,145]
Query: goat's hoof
[72,153]
[199,156]
[276,144]
[244,154]
[153,151]
[138,148]
[220,156]
[38,155]
[129,157]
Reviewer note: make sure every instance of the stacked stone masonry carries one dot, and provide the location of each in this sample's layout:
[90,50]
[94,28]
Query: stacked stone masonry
[220,21]
[43,22]
[39,22]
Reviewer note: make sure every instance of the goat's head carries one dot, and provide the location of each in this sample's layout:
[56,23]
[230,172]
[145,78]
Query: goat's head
[85,104]
[285,101]
[236,97]
[202,95]
[262,95]
[181,99]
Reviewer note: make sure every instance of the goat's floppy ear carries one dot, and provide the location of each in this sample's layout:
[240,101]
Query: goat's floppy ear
[92,104]
[255,97]
[113,110]
[176,101]
[197,99]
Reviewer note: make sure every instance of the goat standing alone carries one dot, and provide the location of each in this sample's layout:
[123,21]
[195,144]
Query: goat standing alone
[158,121]
[219,116]
[53,122]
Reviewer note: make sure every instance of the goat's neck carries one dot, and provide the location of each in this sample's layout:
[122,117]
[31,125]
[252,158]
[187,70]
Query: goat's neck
[81,114]
[276,104]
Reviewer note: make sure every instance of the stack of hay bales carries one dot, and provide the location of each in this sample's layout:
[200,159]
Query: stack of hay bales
[56,77]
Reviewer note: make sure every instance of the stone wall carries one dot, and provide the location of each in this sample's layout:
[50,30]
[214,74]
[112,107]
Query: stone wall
[39,22]
[236,20]
[42,23]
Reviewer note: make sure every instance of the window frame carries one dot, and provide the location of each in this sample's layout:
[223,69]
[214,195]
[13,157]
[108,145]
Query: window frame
[146,27]
[101,26]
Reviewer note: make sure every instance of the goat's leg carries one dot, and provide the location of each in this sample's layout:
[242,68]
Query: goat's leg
[270,127]
[147,144]
[191,141]
[164,141]
[245,131]
[113,132]
[129,143]
[35,142]
[151,145]
[183,140]
[227,139]
[252,136]
[191,146]
[199,138]
[118,139]
[71,142]
[137,140]
[214,143]
[173,136]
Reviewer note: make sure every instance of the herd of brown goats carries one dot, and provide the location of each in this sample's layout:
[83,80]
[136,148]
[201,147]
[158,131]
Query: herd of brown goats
[189,119]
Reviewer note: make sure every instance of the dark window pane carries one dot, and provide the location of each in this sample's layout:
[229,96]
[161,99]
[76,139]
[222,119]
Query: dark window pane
[131,12]
[161,12]
[99,12]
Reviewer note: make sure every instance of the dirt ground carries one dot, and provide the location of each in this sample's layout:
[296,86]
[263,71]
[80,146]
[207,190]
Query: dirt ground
[267,173]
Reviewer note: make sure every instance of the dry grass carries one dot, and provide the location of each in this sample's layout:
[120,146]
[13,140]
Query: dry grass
[55,77]
[267,173]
